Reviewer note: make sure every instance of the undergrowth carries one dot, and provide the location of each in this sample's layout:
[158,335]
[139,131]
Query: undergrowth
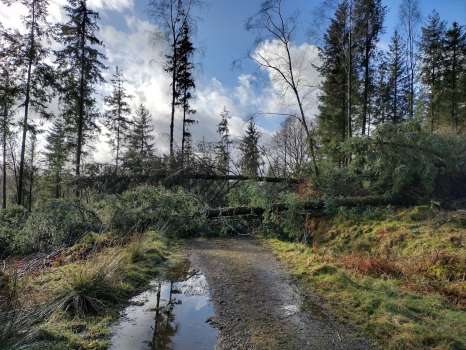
[399,275]
[82,298]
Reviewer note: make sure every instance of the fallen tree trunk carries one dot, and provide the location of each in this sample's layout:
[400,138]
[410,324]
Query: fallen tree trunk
[316,208]
[109,180]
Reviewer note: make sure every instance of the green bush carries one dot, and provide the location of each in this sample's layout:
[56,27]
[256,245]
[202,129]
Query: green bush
[403,161]
[177,212]
[12,220]
[54,224]
[289,224]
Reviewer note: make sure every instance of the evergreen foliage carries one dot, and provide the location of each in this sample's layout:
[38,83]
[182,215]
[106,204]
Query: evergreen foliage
[80,68]
[249,147]
[116,118]
[140,140]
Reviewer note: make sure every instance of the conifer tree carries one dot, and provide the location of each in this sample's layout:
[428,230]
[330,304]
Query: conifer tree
[249,146]
[369,16]
[32,169]
[185,85]
[37,74]
[455,67]
[381,99]
[9,92]
[398,80]
[116,118]
[80,65]
[140,142]
[173,16]
[334,122]
[432,57]
[222,148]
[56,154]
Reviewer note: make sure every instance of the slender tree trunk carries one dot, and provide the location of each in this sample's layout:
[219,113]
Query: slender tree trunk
[118,129]
[172,121]
[183,140]
[301,110]
[117,149]
[57,184]
[80,121]
[366,89]
[4,136]
[31,180]
[350,70]
[411,83]
[367,54]
[26,108]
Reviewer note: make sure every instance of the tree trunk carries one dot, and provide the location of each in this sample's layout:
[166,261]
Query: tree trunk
[172,121]
[366,87]
[80,120]
[4,136]
[31,180]
[26,110]
[183,139]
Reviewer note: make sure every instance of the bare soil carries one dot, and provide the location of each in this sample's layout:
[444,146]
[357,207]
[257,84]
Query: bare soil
[258,304]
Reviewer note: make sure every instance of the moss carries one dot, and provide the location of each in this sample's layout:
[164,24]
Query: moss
[396,316]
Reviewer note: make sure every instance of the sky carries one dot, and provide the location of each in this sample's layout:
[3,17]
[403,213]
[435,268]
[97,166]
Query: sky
[226,77]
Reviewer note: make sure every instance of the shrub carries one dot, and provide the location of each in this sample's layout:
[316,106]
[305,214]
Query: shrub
[56,223]
[289,224]
[177,212]
[12,220]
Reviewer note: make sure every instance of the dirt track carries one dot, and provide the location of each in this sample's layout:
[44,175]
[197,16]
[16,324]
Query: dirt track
[257,304]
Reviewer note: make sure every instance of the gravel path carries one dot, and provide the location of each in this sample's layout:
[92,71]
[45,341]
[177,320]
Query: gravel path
[257,304]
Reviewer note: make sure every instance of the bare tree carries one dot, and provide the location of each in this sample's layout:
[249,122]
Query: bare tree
[410,17]
[271,23]
[288,148]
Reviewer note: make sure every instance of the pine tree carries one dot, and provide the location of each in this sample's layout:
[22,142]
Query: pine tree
[185,84]
[398,80]
[222,149]
[455,66]
[334,122]
[31,168]
[116,118]
[381,99]
[80,65]
[173,16]
[432,57]
[38,75]
[9,92]
[249,147]
[369,16]
[56,154]
[140,142]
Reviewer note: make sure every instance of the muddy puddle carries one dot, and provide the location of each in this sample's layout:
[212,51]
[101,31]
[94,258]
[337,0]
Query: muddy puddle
[172,314]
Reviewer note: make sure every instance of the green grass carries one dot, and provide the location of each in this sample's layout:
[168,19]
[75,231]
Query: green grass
[84,297]
[399,278]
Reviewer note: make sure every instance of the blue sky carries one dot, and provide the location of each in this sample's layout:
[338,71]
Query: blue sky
[223,39]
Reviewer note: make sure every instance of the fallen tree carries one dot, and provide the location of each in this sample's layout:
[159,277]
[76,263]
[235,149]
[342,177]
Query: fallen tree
[316,207]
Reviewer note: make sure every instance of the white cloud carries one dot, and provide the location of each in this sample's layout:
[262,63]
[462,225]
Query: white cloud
[278,97]
[134,47]
[12,16]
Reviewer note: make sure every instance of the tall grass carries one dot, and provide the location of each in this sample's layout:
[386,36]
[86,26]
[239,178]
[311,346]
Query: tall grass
[90,288]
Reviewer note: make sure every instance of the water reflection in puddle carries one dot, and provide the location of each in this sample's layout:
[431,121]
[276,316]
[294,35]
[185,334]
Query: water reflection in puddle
[170,315]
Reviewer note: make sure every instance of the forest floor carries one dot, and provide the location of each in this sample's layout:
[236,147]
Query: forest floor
[257,303]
